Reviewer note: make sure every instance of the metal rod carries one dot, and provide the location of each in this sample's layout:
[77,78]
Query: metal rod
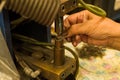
[59,56]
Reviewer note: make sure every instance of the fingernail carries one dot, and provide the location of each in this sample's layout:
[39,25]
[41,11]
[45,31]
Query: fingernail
[74,44]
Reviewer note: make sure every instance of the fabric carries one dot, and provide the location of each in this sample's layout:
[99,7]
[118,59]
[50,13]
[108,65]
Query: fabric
[105,68]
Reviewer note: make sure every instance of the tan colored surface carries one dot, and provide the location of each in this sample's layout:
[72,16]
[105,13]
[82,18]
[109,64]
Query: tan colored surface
[106,68]
[117,5]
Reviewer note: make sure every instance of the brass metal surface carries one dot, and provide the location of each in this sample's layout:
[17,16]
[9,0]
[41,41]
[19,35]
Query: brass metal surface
[65,7]
[59,56]
[51,71]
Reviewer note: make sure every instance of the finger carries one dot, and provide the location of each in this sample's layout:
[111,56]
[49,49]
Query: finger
[76,18]
[66,23]
[76,40]
[73,19]
[81,28]
[85,17]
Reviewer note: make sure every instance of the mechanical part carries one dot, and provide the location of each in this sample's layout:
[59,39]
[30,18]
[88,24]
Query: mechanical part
[49,70]
[52,72]
[67,6]
[28,71]
[41,11]
[44,62]
[45,53]
[59,56]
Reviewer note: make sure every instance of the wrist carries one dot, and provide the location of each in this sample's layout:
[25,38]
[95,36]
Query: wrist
[114,29]
[114,42]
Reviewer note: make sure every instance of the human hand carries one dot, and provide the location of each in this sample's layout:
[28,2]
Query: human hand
[90,28]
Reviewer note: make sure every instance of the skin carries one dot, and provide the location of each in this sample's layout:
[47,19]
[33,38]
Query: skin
[92,29]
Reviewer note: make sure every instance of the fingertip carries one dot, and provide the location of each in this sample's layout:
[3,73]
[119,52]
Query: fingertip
[66,23]
[74,44]
[78,38]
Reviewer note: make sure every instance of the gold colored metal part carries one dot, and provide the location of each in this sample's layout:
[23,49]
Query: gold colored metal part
[59,56]
[65,7]
[51,71]
[59,53]
[61,66]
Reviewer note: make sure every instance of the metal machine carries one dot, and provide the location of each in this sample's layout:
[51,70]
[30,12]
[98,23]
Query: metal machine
[42,63]
[49,64]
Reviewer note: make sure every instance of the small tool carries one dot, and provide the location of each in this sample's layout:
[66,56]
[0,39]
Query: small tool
[63,35]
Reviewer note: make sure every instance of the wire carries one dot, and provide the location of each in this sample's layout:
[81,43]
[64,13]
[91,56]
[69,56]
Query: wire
[30,40]
[94,9]
[28,71]
[76,58]
[17,22]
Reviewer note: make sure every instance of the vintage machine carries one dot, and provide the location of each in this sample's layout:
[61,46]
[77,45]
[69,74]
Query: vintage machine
[42,63]
[26,29]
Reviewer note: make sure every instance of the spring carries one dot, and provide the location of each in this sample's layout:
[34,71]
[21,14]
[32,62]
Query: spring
[41,11]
